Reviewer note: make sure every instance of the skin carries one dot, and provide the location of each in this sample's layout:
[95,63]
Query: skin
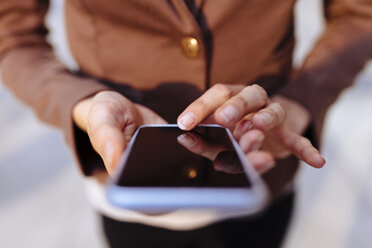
[110,120]
[266,129]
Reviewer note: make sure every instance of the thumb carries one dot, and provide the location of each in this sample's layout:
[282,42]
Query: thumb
[111,122]
[148,116]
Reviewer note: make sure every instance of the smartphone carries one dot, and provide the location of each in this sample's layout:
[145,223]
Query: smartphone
[166,168]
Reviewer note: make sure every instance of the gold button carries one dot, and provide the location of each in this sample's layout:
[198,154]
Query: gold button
[190,47]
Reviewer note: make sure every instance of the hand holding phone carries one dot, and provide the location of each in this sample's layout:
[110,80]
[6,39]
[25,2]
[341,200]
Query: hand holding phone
[110,119]
[161,171]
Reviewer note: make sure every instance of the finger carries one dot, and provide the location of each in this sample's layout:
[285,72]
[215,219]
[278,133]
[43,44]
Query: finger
[262,161]
[110,125]
[80,113]
[228,162]
[252,140]
[109,143]
[301,147]
[250,99]
[205,105]
[270,117]
[241,128]
[194,143]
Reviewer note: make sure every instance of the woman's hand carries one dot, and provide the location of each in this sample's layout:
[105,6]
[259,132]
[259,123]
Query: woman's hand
[266,130]
[110,120]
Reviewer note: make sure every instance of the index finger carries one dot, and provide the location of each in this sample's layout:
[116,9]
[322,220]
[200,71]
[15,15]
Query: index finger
[205,105]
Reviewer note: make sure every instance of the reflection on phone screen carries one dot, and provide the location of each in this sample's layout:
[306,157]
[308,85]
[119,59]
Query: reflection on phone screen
[170,157]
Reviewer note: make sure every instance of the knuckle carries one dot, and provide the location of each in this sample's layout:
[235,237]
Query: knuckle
[106,94]
[306,142]
[272,112]
[101,113]
[278,111]
[103,107]
[99,95]
[290,141]
[260,93]
[241,100]
[222,90]
[201,106]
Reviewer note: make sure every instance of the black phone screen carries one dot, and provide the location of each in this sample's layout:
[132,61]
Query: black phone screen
[159,158]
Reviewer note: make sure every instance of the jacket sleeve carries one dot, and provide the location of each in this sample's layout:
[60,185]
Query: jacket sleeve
[338,56]
[32,72]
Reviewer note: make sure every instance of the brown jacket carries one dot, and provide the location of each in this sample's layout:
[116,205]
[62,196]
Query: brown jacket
[141,44]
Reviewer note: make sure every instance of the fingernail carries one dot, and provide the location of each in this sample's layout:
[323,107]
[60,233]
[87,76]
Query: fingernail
[320,161]
[247,124]
[186,121]
[109,154]
[258,143]
[186,140]
[242,128]
[229,113]
[268,118]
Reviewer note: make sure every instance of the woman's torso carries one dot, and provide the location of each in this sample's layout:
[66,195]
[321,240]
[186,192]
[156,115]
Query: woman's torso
[142,42]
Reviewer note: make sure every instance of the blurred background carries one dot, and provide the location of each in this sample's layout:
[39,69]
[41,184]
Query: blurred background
[42,194]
